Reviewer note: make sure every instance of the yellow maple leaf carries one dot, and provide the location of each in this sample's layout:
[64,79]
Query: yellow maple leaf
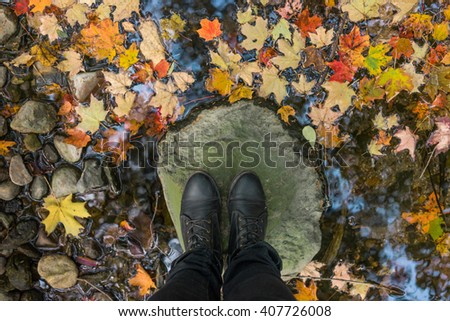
[64,211]
[165,98]
[123,9]
[255,35]
[91,116]
[142,280]
[172,27]
[102,40]
[151,46]
[73,63]
[273,84]
[423,218]
[129,57]
[291,51]
[219,81]
[306,293]
[338,94]
[285,112]
[361,9]
[394,80]
[45,53]
[5,146]
[440,31]
[376,59]
[124,103]
[443,244]
[240,92]
[39,5]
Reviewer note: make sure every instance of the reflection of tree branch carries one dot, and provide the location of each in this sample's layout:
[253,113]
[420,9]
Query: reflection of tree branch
[390,288]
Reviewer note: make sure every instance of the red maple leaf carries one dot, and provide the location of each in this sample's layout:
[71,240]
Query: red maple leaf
[210,29]
[307,23]
[341,71]
[21,7]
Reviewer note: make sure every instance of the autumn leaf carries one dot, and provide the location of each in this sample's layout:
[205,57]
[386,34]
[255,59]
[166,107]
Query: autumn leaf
[165,98]
[5,146]
[403,6]
[210,29]
[129,57]
[353,44]
[123,9]
[290,9]
[91,116]
[369,91]
[77,14]
[361,9]
[306,23]
[172,27]
[73,63]
[440,31]
[21,6]
[162,68]
[376,59]
[64,211]
[282,28]
[118,82]
[115,143]
[427,218]
[401,46]
[39,5]
[256,35]
[418,24]
[322,37]
[291,52]
[219,81]
[102,40]
[374,148]
[142,280]
[341,71]
[50,27]
[44,52]
[273,84]
[303,86]
[338,94]
[285,112]
[306,293]
[321,116]
[240,92]
[77,137]
[124,103]
[443,244]
[313,57]
[394,80]
[245,16]
[441,136]
[182,80]
[151,46]
[408,141]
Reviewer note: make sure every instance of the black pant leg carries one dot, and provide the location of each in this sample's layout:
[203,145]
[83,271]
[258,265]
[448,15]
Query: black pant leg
[253,274]
[195,276]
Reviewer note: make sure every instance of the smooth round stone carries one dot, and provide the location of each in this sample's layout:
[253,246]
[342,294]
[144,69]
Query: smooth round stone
[68,152]
[34,117]
[294,191]
[18,172]
[64,181]
[58,270]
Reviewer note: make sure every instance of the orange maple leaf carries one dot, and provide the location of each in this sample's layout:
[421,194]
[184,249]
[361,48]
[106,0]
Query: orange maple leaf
[307,23]
[401,46]
[77,137]
[5,146]
[219,80]
[429,212]
[162,68]
[102,40]
[353,44]
[142,280]
[306,293]
[39,5]
[116,143]
[210,29]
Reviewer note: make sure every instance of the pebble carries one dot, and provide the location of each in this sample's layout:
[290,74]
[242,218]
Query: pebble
[18,271]
[92,176]
[68,152]
[18,172]
[8,24]
[3,126]
[8,190]
[35,117]
[2,265]
[59,271]
[3,76]
[85,83]
[32,142]
[50,154]
[22,233]
[64,180]
[39,188]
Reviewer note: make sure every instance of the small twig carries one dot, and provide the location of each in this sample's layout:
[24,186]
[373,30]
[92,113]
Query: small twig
[96,288]
[428,163]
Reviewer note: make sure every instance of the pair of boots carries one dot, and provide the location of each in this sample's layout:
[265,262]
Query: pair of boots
[200,213]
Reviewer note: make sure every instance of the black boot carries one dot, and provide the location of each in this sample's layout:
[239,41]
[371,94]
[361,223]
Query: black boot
[248,212]
[200,214]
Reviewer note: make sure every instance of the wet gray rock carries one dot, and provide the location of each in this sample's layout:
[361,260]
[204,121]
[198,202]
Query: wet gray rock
[58,270]
[39,188]
[35,117]
[64,180]
[68,152]
[294,190]
[50,153]
[84,84]
[2,265]
[3,126]
[23,232]
[3,75]
[8,190]
[8,24]
[18,172]
[18,271]
[92,176]
[32,142]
